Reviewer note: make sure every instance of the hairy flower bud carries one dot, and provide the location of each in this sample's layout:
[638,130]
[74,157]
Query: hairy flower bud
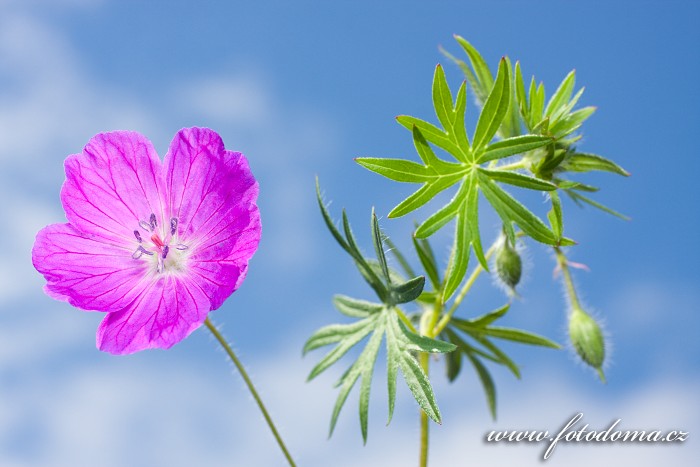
[587,338]
[509,265]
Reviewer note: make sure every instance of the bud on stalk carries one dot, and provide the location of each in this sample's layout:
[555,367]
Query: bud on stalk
[509,265]
[587,338]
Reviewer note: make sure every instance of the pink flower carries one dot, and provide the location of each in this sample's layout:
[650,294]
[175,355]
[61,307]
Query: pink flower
[155,245]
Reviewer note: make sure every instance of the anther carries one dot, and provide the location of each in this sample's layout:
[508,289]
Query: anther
[140,251]
[181,247]
[166,249]
[153,222]
[173,225]
[137,235]
[145,226]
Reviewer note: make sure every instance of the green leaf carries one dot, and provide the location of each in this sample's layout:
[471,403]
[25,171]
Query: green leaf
[523,337]
[518,179]
[555,215]
[495,108]
[490,317]
[578,197]
[493,353]
[442,98]
[399,257]
[566,109]
[368,361]
[481,80]
[562,95]
[362,265]
[458,128]
[329,222]
[414,376]
[354,307]
[427,259]
[511,210]
[431,133]
[335,333]
[515,335]
[443,215]
[423,195]
[379,248]
[399,170]
[345,343]
[459,259]
[497,355]
[520,95]
[583,162]
[429,158]
[511,146]
[571,122]
[453,365]
[486,382]
[536,104]
[408,291]
[420,343]
[470,215]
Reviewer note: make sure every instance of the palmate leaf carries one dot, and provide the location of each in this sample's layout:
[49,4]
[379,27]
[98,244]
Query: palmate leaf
[479,348]
[383,322]
[437,175]
[376,322]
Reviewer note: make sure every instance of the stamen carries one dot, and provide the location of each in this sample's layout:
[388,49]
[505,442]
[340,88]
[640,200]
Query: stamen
[145,226]
[138,236]
[161,265]
[181,247]
[153,222]
[166,249]
[140,251]
[173,225]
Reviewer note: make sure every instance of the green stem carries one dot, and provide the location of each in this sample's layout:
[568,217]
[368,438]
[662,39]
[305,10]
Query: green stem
[568,281]
[444,321]
[249,383]
[424,423]
[521,164]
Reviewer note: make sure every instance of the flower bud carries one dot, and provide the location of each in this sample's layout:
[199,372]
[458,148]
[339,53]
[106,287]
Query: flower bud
[587,338]
[509,266]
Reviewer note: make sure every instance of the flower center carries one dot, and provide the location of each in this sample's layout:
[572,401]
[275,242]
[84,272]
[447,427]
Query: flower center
[157,248]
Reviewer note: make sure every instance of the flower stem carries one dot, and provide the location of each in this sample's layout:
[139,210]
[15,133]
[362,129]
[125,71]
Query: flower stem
[568,281]
[249,383]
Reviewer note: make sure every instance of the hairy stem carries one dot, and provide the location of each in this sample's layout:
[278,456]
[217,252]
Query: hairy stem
[249,383]
[568,281]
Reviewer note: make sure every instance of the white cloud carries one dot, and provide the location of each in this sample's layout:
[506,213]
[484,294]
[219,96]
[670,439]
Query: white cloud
[237,100]
[135,412]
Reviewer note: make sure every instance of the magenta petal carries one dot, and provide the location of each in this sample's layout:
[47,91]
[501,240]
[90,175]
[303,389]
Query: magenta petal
[166,312]
[85,271]
[116,182]
[205,182]
[213,193]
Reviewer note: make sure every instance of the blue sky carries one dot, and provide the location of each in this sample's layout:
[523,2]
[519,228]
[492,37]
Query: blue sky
[301,89]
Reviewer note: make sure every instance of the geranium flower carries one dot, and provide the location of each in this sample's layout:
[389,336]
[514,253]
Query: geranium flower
[155,245]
